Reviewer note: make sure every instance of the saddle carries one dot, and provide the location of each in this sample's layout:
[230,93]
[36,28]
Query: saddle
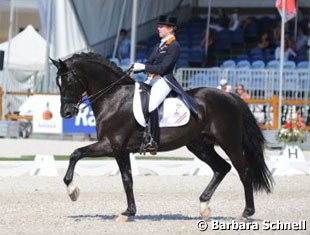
[172,112]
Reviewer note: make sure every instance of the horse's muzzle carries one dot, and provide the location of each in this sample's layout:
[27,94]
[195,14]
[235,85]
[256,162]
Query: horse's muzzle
[69,111]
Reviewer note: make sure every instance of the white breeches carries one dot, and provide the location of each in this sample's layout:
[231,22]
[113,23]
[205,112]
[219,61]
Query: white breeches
[159,91]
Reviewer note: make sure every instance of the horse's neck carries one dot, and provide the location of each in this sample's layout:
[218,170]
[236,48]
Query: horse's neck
[113,101]
[99,78]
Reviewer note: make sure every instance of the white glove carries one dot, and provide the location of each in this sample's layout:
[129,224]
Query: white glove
[138,67]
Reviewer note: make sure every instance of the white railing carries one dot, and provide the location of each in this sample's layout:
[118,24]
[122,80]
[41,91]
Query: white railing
[259,83]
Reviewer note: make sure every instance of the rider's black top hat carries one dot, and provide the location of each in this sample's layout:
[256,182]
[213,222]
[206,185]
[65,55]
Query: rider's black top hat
[168,20]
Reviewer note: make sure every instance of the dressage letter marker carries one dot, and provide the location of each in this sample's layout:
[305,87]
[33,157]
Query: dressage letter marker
[44,165]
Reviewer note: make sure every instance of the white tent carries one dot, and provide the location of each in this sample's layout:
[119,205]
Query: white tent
[24,64]
[27,50]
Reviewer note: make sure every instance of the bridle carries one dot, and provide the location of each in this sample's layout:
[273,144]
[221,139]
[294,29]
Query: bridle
[92,98]
[69,100]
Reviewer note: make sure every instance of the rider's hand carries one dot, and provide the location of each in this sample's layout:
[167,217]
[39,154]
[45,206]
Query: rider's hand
[138,67]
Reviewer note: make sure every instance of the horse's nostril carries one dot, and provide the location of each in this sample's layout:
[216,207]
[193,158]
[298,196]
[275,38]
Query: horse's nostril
[68,114]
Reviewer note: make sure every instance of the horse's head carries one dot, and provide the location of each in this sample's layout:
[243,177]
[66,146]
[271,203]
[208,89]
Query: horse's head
[71,86]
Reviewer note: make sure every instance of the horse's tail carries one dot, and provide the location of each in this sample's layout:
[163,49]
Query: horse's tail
[253,143]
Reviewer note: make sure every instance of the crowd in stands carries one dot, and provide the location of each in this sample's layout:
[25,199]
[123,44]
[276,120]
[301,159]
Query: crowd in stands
[233,37]
[233,41]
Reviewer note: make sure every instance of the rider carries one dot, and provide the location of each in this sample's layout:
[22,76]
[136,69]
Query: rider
[159,68]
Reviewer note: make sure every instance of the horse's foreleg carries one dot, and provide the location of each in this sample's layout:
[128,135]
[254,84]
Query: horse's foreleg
[93,150]
[125,169]
[73,191]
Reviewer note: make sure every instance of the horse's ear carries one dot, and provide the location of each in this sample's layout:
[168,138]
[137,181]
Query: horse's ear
[62,64]
[55,62]
[59,64]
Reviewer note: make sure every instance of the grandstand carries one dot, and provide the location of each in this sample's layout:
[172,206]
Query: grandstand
[237,45]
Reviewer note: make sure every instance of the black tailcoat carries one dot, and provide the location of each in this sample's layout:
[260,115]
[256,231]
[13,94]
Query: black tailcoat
[161,62]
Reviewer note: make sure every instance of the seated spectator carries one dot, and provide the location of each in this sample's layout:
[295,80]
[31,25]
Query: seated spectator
[288,50]
[211,40]
[264,41]
[264,44]
[241,92]
[224,85]
[123,49]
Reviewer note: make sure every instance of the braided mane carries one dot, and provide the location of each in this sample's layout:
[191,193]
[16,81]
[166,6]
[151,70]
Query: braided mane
[96,58]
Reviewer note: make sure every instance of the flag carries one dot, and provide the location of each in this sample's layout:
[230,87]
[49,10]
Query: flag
[289,9]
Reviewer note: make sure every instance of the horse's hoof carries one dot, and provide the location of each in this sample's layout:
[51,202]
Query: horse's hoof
[241,219]
[74,195]
[205,210]
[124,218]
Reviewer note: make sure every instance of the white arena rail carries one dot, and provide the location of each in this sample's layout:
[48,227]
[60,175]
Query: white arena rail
[259,83]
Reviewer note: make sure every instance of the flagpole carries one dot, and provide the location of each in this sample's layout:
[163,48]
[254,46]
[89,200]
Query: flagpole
[281,61]
[208,30]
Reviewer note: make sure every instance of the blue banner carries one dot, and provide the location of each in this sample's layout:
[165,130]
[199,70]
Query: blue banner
[84,122]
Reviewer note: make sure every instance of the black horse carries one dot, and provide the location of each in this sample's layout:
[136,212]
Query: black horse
[224,119]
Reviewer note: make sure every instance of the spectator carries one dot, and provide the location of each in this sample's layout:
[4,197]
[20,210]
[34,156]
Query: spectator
[242,93]
[224,85]
[123,50]
[234,22]
[223,22]
[264,41]
[288,50]
[231,23]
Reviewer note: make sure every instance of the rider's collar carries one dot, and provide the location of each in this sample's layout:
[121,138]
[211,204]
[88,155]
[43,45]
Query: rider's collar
[168,40]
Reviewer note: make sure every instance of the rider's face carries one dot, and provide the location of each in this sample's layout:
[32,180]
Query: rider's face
[164,30]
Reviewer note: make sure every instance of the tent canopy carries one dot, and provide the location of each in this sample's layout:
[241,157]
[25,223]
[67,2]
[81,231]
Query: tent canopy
[27,50]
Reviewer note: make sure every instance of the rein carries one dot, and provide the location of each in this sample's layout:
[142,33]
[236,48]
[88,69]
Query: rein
[103,91]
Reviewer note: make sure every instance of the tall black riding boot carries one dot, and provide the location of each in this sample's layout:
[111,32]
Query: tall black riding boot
[152,141]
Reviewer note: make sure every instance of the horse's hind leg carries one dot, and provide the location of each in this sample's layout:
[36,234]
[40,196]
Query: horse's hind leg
[220,167]
[245,174]
[125,169]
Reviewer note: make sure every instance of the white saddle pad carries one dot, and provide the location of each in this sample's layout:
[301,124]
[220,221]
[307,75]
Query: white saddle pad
[175,112]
